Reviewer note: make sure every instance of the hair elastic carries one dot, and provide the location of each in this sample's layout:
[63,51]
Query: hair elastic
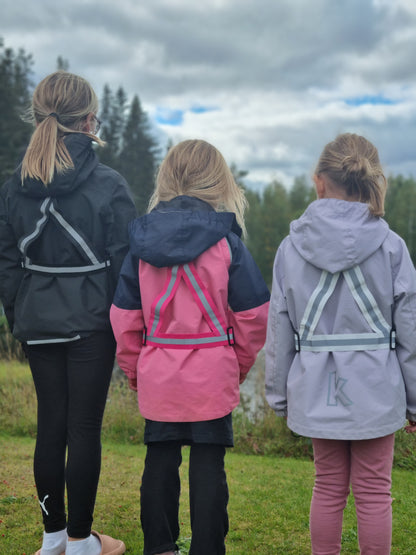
[54,115]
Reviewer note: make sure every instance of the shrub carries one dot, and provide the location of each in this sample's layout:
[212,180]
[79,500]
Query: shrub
[10,348]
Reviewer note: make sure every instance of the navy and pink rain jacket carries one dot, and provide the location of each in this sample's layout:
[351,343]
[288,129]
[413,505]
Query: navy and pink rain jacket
[189,313]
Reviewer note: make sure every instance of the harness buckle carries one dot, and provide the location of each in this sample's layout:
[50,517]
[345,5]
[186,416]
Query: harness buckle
[144,338]
[230,336]
[392,339]
[297,342]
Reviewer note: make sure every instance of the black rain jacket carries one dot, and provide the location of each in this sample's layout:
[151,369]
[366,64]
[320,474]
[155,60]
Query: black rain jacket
[62,246]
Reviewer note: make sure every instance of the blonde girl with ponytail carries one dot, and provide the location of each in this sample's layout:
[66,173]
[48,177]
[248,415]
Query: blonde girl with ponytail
[63,236]
[62,104]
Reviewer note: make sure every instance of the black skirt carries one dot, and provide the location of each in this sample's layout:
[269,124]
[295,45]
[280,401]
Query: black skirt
[218,431]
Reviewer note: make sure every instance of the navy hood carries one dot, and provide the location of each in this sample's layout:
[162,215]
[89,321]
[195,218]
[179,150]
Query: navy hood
[178,231]
[85,161]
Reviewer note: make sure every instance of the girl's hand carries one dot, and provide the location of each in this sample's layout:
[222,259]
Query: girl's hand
[411,428]
[133,384]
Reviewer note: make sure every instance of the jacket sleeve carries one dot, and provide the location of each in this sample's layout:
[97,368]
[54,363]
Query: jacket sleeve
[126,317]
[123,212]
[404,318]
[280,344]
[11,272]
[248,298]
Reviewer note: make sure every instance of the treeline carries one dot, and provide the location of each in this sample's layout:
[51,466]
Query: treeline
[132,149]
[272,210]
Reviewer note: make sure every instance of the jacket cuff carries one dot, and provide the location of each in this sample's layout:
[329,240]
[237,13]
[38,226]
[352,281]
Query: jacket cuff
[411,416]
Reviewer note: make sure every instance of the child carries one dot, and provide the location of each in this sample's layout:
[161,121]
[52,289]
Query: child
[63,238]
[189,316]
[341,343]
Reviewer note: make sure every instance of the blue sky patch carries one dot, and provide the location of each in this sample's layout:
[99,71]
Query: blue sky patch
[169,116]
[174,116]
[374,100]
[202,109]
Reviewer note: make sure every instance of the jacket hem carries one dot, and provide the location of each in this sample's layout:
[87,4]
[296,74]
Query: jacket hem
[347,434]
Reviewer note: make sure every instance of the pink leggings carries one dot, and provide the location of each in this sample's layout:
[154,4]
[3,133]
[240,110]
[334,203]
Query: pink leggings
[366,465]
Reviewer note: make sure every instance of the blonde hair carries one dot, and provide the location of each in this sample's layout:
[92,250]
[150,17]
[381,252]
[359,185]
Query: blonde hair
[60,105]
[352,163]
[198,169]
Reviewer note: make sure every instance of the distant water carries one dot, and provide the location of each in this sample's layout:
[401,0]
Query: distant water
[252,390]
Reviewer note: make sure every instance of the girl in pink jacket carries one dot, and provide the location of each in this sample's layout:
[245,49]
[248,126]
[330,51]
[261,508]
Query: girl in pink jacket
[189,316]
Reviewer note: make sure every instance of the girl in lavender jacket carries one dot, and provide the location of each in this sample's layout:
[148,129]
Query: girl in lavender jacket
[189,316]
[341,343]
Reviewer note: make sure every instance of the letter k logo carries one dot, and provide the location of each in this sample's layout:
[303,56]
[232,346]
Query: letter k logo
[336,391]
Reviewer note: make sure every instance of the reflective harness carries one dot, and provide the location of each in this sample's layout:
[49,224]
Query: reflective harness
[219,333]
[92,260]
[382,336]
[48,210]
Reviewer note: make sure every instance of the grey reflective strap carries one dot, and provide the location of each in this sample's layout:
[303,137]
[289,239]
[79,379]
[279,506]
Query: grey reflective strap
[47,208]
[204,301]
[55,340]
[74,234]
[65,269]
[381,336]
[365,300]
[317,301]
[25,242]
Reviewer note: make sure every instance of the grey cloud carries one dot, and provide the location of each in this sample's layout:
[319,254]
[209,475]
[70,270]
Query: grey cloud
[176,53]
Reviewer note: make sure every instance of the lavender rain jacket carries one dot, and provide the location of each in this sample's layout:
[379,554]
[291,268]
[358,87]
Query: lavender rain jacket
[342,282]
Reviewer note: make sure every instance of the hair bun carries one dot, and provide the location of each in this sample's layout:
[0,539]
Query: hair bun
[356,164]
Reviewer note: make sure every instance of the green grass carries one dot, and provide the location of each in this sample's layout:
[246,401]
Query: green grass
[270,490]
[263,435]
[268,508]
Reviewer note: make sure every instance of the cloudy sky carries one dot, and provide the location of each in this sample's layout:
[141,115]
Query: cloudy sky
[268,82]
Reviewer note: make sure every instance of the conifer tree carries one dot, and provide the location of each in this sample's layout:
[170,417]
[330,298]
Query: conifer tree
[112,116]
[139,155]
[15,91]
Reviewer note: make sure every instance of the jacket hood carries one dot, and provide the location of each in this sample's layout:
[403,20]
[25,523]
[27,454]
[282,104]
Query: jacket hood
[85,161]
[178,231]
[335,235]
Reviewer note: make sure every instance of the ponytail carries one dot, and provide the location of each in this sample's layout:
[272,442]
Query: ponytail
[60,105]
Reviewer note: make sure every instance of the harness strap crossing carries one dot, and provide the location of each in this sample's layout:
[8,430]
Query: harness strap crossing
[48,210]
[381,337]
[219,334]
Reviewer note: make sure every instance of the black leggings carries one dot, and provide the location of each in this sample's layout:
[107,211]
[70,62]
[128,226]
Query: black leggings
[71,381]
[160,492]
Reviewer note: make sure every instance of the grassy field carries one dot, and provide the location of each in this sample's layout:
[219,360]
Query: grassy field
[269,491]
[268,508]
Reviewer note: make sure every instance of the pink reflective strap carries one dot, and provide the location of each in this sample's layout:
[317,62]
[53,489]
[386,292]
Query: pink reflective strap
[219,334]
